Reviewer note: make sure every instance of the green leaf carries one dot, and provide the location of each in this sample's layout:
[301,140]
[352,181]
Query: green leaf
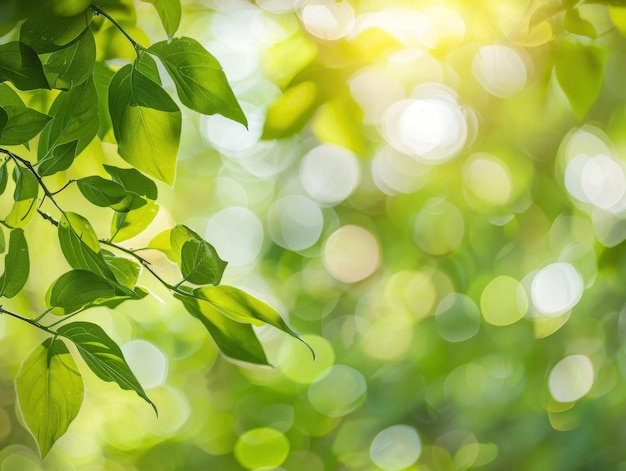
[131,223]
[4,177]
[107,193]
[49,391]
[2,242]
[75,119]
[80,245]
[61,159]
[45,33]
[126,271]
[146,123]
[20,65]
[102,76]
[577,25]
[25,197]
[16,265]
[292,111]
[76,289]
[242,307]
[133,181]
[4,119]
[73,64]
[234,339]
[200,81]
[579,69]
[23,123]
[169,12]
[200,263]
[103,356]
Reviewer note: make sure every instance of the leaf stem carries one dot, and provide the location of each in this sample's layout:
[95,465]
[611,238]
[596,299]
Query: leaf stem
[100,11]
[32,170]
[27,320]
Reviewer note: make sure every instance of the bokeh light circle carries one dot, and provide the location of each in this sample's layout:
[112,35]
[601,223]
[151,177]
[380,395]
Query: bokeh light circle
[237,235]
[430,127]
[571,378]
[487,179]
[147,361]
[457,318]
[503,301]
[261,448]
[327,19]
[396,448]
[337,391]
[330,173]
[500,70]
[439,227]
[351,254]
[556,288]
[295,222]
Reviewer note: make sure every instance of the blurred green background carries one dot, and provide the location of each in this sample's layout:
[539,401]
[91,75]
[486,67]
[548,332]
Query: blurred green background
[433,194]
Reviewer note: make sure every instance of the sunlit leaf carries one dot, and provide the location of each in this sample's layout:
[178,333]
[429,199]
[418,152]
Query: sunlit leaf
[25,197]
[102,77]
[73,64]
[22,125]
[75,119]
[103,356]
[575,24]
[200,81]
[579,69]
[242,307]
[234,339]
[80,245]
[131,223]
[169,12]
[126,271]
[291,111]
[16,265]
[49,391]
[146,123]
[20,65]
[47,34]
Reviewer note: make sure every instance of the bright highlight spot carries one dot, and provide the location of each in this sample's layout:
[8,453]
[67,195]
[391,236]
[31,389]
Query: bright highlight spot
[395,172]
[488,179]
[374,90]
[500,70]
[261,448]
[457,318]
[603,182]
[571,378]
[396,448]
[503,301]
[295,222]
[328,19]
[337,391]
[329,173]
[351,254]
[237,235]
[296,362]
[556,288]
[429,126]
[439,227]
[147,361]
[232,138]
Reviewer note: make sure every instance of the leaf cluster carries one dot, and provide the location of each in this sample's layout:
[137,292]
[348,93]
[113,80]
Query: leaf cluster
[56,51]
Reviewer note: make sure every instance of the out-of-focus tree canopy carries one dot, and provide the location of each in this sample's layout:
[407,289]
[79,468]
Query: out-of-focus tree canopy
[433,194]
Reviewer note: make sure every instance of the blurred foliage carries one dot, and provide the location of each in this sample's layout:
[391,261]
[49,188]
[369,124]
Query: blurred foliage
[433,195]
